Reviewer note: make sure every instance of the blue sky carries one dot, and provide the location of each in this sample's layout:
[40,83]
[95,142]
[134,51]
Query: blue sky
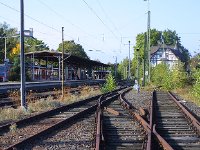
[105,25]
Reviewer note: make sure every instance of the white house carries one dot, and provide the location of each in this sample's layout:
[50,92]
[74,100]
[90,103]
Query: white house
[164,53]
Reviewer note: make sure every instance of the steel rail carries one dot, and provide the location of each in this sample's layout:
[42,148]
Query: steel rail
[152,124]
[101,103]
[149,127]
[161,140]
[145,125]
[98,122]
[53,128]
[194,121]
[64,122]
[42,115]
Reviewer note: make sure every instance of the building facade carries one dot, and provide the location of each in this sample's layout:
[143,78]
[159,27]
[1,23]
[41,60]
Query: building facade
[167,54]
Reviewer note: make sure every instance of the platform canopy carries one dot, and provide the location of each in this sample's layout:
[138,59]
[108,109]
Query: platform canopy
[68,58]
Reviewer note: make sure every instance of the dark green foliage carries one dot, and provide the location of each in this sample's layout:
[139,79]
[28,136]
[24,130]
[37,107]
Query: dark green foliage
[196,87]
[6,31]
[110,84]
[123,69]
[73,48]
[32,45]
[169,78]
[15,73]
[15,70]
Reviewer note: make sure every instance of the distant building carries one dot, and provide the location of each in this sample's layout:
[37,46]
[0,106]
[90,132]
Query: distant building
[4,71]
[167,54]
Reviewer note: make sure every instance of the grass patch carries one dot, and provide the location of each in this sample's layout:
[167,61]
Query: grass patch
[187,95]
[12,114]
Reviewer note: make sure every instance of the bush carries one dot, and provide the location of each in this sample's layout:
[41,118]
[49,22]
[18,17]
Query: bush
[179,76]
[196,87]
[110,84]
[168,78]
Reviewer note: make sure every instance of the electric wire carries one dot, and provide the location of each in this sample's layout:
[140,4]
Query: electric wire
[92,10]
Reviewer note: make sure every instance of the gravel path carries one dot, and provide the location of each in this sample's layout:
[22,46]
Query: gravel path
[77,136]
[190,106]
[138,100]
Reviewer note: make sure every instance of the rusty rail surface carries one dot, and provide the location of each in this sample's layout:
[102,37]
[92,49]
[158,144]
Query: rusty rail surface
[161,140]
[98,129]
[194,121]
[64,122]
[52,128]
[175,124]
[149,127]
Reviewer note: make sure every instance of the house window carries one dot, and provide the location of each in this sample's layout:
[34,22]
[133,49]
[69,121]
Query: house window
[167,55]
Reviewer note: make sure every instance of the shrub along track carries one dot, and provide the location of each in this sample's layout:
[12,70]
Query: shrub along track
[31,128]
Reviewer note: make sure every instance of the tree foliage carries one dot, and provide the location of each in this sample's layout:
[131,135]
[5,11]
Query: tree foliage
[32,45]
[123,68]
[196,87]
[73,48]
[169,78]
[8,32]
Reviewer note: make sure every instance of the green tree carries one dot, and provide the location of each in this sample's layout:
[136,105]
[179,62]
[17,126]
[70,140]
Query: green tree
[73,48]
[179,76]
[170,38]
[8,32]
[32,45]
[15,70]
[123,68]
[161,76]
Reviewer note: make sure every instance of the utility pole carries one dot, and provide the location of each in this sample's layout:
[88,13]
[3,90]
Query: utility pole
[148,42]
[129,62]
[22,60]
[5,48]
[62,63]
[145,57]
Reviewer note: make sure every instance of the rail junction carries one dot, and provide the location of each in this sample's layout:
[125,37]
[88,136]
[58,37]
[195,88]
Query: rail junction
[108,121]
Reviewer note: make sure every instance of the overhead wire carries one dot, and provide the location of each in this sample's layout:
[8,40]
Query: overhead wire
[107,16]
[59,31]
[92,10]
[66,20]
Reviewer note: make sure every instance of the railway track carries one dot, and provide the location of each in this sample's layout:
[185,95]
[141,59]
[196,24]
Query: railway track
[176,126]
[12,100]
[77,135]
[120,129]
[118,126]
[30,129]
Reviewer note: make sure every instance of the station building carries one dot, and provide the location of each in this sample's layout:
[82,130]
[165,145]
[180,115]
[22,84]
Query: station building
[47,65]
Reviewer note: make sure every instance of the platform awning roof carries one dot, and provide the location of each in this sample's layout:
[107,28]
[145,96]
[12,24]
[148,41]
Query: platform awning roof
[68,58]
